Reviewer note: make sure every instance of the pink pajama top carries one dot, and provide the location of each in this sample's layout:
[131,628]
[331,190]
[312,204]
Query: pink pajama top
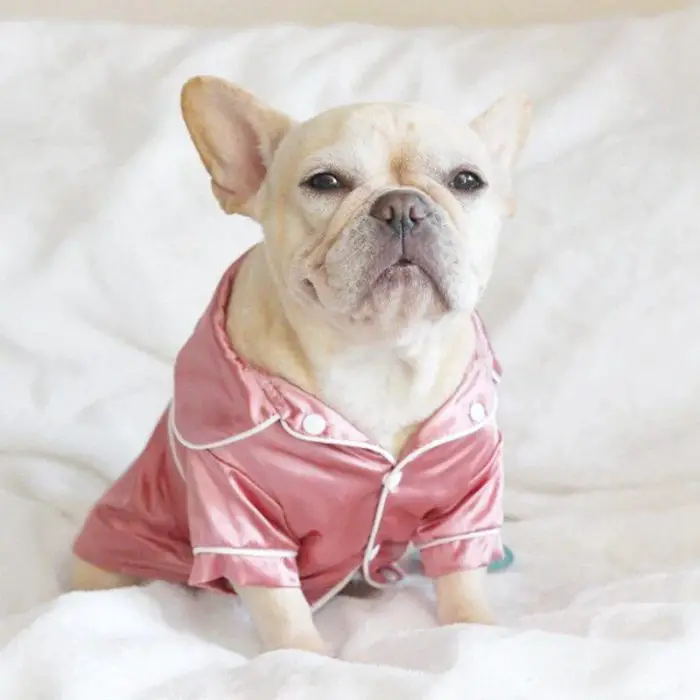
[247,480]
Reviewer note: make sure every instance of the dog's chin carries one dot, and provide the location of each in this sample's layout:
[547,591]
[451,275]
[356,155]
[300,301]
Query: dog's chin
[407,284]
[403,294]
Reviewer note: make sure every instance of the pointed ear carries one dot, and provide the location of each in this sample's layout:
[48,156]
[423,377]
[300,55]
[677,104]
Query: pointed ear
[504,127]
[236,136]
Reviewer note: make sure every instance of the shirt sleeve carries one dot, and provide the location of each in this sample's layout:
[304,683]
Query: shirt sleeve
[237,531]
[466,535]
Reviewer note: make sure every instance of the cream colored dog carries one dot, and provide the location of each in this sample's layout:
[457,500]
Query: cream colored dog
[335,300]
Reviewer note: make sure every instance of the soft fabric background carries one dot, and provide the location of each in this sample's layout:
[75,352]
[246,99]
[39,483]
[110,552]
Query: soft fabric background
[110,245]
[417,13]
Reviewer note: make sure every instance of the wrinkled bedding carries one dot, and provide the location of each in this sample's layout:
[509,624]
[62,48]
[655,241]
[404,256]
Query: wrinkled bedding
[110,245]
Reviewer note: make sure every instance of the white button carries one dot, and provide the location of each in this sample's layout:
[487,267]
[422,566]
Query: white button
[477,412]
[392,480]
[390,575]
[313,424]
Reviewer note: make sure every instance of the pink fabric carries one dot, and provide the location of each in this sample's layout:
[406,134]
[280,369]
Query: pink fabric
[233,490]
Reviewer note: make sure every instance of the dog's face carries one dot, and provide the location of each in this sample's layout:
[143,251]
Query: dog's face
[376,216]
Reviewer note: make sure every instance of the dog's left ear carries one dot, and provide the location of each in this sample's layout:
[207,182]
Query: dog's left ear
[504,127]
[236,136]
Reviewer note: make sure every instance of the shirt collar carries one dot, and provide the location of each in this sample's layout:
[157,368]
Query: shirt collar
[219,398]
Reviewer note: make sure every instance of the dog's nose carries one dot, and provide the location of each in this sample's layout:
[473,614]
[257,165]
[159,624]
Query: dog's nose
[400,210]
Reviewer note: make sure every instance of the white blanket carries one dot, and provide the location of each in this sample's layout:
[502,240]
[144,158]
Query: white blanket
[110,245]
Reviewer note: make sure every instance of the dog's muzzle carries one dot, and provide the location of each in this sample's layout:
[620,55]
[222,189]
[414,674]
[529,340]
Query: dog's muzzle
[400,212]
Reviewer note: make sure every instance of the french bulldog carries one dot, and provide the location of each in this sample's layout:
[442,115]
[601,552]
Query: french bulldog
[336,402]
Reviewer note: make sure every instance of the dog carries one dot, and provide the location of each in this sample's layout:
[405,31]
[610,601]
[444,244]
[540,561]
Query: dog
[335,404]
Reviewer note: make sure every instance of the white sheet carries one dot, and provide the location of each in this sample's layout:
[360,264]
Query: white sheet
[217,13]
[110,245]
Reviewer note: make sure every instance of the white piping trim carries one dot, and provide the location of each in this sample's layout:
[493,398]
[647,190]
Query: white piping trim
[324,599]
[219,443]
[458,538]
[387,490]
[372,541]
[341,443]
[327,597]
[243,552]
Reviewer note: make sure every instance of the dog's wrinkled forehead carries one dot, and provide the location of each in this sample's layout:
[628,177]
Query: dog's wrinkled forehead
[384,141]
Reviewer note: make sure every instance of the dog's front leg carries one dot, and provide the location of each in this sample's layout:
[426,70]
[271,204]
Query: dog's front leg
[461,597]
[282,618]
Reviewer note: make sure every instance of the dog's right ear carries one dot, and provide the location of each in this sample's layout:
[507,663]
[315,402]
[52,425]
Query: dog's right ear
[236,136]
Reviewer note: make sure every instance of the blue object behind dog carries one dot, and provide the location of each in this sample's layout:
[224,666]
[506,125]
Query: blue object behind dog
[503,563]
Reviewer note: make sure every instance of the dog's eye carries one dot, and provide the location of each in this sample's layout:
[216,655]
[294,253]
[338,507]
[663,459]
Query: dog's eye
[324,182]
[467,181]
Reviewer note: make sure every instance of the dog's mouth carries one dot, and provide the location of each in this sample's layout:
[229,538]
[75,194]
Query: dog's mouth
[402,273]
[392,277]
[411,283]
[407,263]
[405,273]
[403,265]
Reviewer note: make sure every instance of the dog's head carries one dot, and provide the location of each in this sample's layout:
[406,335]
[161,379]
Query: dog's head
[375,216]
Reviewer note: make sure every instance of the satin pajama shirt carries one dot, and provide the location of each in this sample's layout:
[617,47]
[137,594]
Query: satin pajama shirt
[247,480]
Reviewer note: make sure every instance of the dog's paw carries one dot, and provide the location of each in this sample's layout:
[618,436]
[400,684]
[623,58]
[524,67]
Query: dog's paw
[308,642]
[466,615]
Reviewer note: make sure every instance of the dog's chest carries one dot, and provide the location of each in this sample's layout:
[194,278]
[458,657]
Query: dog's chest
[381,395]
